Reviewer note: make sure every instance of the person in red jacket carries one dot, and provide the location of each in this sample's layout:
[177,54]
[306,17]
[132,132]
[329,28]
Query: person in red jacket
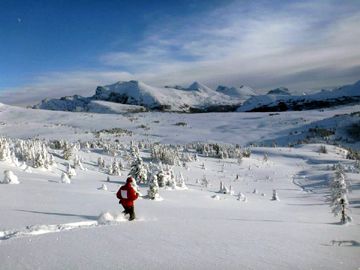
[127,195]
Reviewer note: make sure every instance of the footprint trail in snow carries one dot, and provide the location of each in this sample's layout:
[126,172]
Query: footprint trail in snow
[104,219]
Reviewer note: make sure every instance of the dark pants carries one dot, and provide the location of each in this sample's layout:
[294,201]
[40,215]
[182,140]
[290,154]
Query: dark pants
[129,210]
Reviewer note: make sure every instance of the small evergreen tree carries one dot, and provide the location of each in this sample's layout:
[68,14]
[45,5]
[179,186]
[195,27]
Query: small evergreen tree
[221,187]
[241,197]
[153,191]
[67,151]
[139,170]
[338,195]
[10,178]
[65,178]
[114,168]
[101,163]
[70,171]
[204,182]
[275,196]
[181,182]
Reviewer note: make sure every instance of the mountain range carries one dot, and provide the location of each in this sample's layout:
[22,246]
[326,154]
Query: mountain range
[134,96]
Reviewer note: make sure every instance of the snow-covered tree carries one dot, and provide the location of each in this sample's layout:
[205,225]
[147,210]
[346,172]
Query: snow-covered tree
[10,178]
[114,168]
[65,178]
[226,190]
[101,163]
[166,177]
[4,149]
[181,182]
[70,171]
[153,191]
[338,195]
[204,182]
[67,151]
[76,161]
[221,187]
[241,197]
[275,196]
[231,191]
[166,154]
[203,166]
[139,170]
[121,166]
[14,159]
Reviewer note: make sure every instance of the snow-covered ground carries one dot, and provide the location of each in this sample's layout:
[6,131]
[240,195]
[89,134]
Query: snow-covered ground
[50,225]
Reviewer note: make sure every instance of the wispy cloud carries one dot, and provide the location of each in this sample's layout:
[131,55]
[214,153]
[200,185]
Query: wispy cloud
[58,84]
[238,47]
[259,45]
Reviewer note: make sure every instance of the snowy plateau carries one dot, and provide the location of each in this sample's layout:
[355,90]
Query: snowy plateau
[234,190]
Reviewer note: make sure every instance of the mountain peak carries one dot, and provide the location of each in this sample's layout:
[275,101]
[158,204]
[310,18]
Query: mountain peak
[196,86]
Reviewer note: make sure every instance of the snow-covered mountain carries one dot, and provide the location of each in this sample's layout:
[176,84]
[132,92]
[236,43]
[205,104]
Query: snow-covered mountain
[243,92]
[196,98]
[279,100]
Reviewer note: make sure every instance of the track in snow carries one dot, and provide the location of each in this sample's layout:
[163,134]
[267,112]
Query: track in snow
[45,229]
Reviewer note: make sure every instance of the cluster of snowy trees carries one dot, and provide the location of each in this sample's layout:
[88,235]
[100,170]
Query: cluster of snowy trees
[32,152]
[156,176]
[165,154]
[222,151]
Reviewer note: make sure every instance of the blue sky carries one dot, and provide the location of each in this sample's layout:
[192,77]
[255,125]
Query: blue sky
[55,48]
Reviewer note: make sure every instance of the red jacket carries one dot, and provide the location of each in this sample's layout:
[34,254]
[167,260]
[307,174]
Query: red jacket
[127,195]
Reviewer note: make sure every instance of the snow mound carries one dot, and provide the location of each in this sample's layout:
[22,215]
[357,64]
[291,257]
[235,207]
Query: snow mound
[65,179]
[28,169]
[10,178]
[108,218]
[103,187]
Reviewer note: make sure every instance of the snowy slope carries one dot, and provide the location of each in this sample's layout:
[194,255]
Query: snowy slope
[342,95]
[55,226]
[48,225]
[238,128]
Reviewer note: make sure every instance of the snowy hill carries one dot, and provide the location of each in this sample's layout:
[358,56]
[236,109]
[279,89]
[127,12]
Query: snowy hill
[280,102]
[197,97]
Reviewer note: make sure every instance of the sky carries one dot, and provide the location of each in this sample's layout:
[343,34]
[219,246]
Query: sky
[65,47]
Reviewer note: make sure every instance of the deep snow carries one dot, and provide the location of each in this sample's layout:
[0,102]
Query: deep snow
[49,225]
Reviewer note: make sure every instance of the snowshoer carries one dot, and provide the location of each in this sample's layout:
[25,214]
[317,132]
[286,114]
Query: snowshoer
[127,195]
